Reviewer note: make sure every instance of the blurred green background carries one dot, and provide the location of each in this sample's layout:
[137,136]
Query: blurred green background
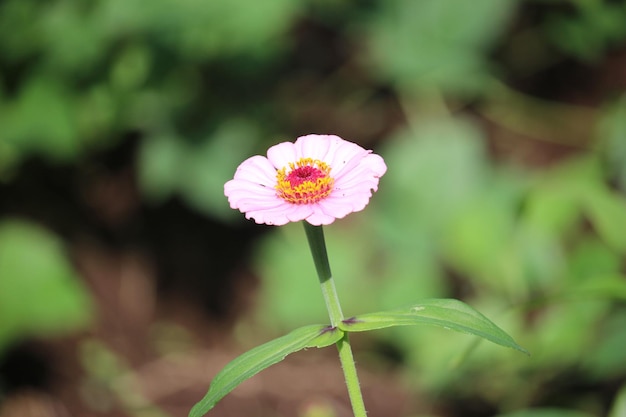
[126,281]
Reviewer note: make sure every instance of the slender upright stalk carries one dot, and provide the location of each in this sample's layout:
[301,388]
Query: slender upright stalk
[315,236]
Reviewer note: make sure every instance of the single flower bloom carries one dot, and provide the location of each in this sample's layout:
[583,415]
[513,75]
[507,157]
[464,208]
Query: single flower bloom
[317,178]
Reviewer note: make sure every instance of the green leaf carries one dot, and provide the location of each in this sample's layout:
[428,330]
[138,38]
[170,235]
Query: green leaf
[447,313]
[262,357]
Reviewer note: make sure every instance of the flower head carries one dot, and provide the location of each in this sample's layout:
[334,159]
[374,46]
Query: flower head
[317,178]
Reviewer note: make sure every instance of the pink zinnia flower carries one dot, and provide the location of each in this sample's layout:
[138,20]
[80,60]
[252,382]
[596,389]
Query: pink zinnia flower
[318,178]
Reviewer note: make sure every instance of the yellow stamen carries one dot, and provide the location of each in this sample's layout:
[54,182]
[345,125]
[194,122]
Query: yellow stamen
[304,182]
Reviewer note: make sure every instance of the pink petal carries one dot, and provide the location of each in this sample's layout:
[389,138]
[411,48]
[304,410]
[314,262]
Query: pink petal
[257,169]
[273,219]
[369,170]
[276,216]
[358,182]
[239,192]
[345,157]
[319,218]
[258,205]
[300,212]
[315,146]
[282,154]
[375,163]
[235,188]
[337,208]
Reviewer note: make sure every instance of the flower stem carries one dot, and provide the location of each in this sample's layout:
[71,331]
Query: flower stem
[315,236]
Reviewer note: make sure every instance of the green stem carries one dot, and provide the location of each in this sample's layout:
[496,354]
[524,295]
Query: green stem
[315,236]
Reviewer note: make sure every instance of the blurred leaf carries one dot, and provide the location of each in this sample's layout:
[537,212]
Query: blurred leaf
[19,38]
[536,260]
[208,166]
[72,40]
[39,292]
[170,164]
[477,235]
[434,43]
[590,33]
[598,286]
[417,196]
[591,259]
[619,405]
[542,119]
[262,357]
[131,67]
[612,131]
[607,358]
[237,26]
[96,111]
[41,121]
[447,313]
[546,412]
[607,212]
[551,207]
[161,159]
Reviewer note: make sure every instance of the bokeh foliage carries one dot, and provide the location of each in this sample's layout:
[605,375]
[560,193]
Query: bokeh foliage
[39,291]
[539,247]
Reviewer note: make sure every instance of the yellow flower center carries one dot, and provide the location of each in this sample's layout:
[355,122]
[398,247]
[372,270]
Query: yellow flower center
[304,182]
